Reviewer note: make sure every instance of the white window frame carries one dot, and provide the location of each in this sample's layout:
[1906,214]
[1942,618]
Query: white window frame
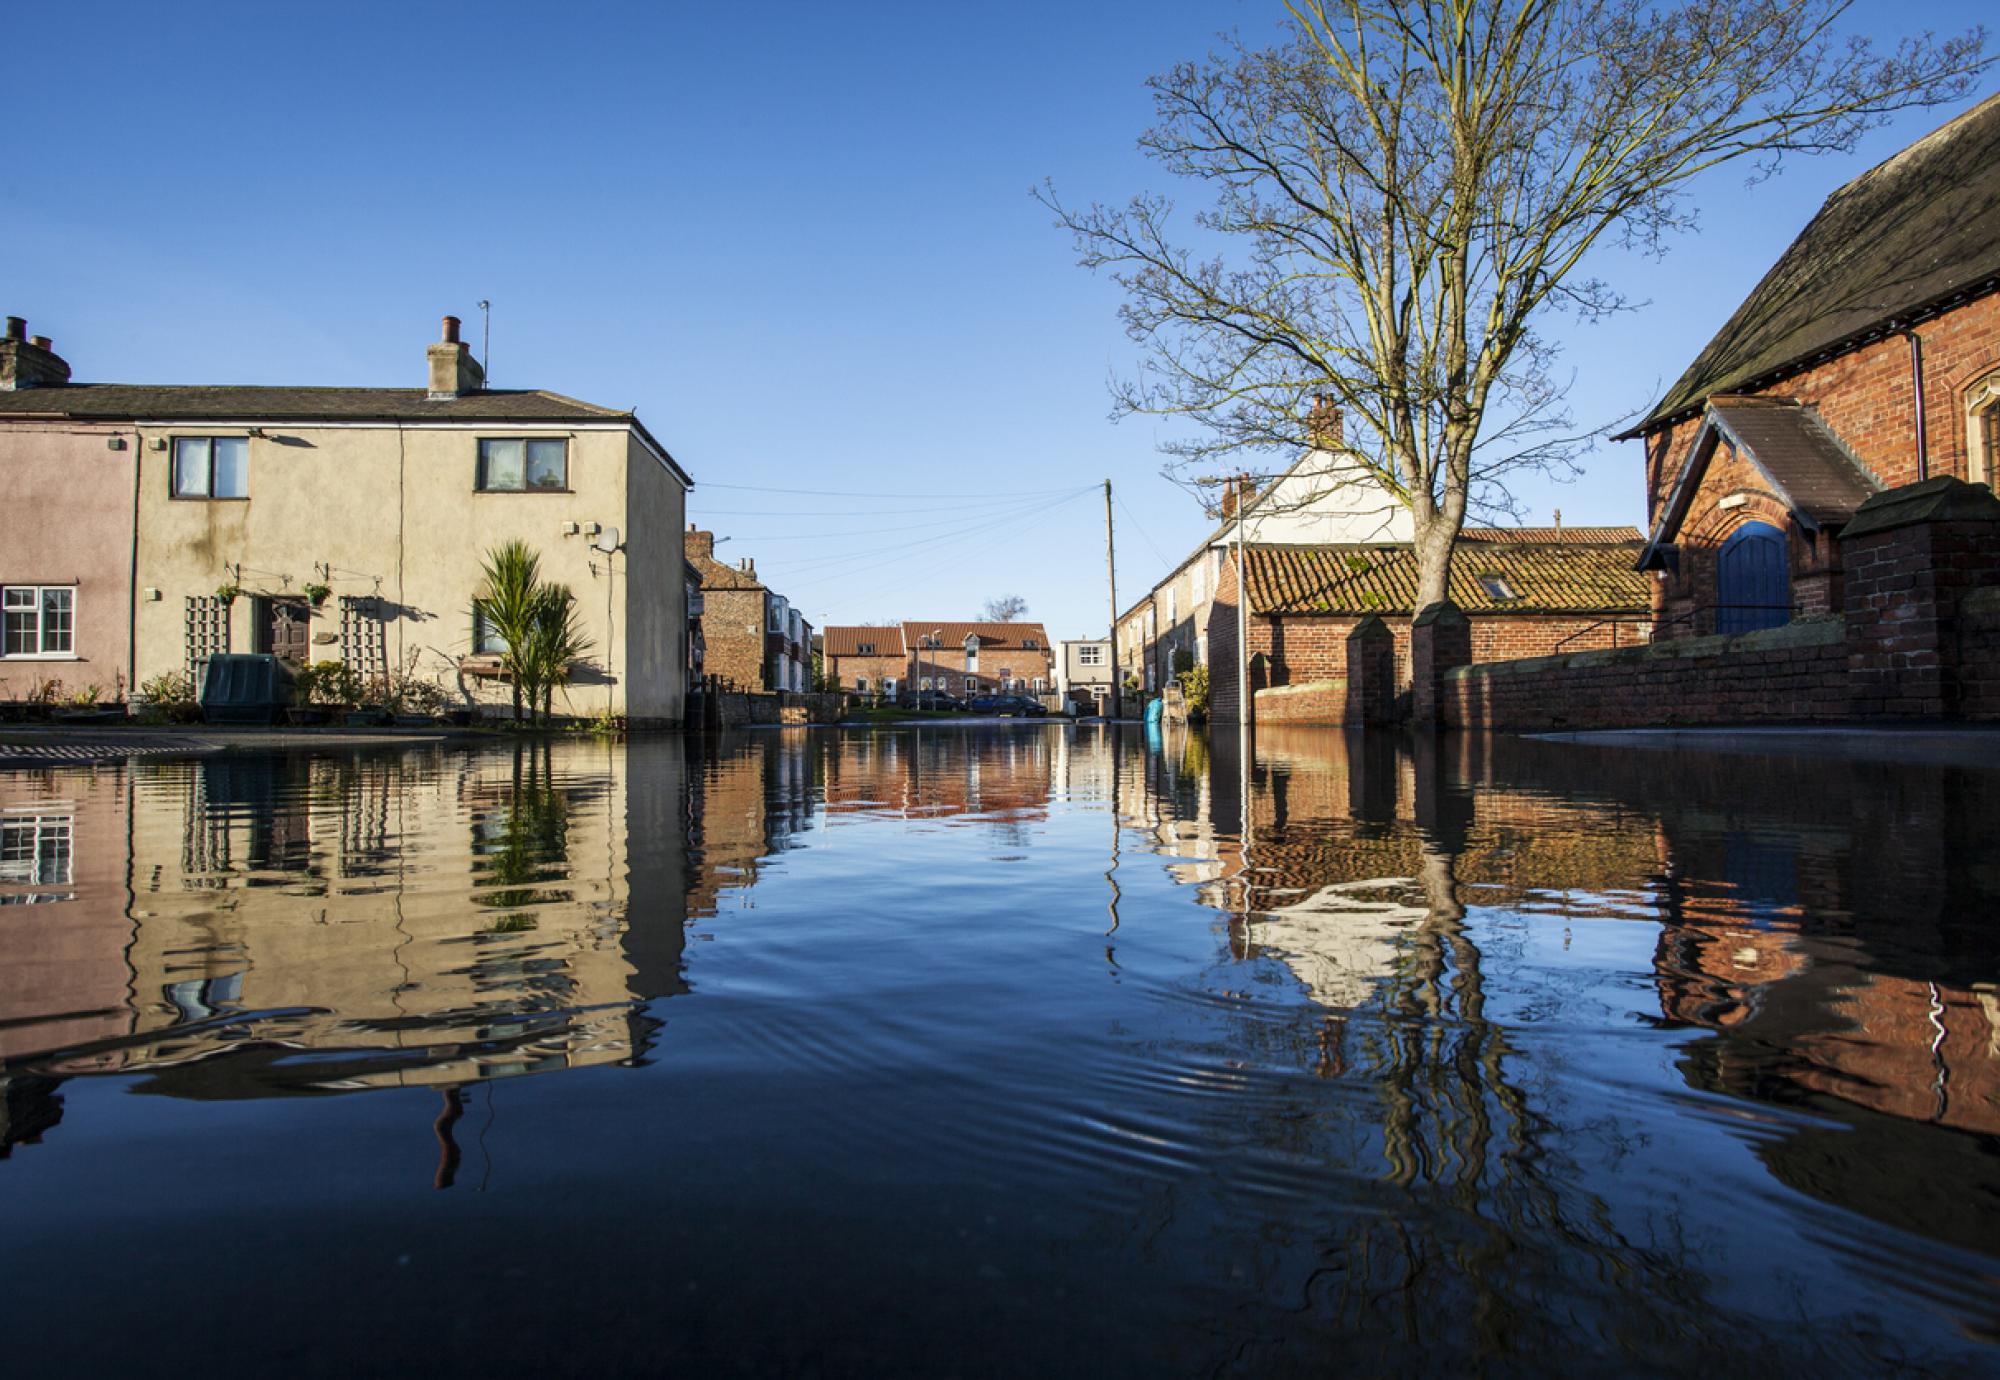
[53,834]
[1090,656]
[39,596]
[861,685]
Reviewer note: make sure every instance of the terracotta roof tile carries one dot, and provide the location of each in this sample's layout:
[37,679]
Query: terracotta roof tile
[993,637]
[887,641]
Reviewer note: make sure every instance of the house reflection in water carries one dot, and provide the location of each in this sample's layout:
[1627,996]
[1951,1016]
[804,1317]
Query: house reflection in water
[1821,924]
[248,926]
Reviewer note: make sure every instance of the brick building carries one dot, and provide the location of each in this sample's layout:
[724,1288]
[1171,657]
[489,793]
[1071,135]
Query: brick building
[1867,359]
[751,638]
[1525,592]
[980,658]
[869,660]
[958,658]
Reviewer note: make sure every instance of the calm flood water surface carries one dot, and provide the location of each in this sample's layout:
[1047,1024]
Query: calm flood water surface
[1028,1049]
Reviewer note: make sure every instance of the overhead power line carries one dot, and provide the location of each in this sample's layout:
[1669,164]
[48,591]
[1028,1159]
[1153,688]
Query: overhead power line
[856,493]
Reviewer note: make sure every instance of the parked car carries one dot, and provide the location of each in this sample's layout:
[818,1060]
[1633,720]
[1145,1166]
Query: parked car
[930,699]
[1006,706]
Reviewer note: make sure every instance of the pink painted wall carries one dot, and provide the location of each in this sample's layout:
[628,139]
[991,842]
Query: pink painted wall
[66,518]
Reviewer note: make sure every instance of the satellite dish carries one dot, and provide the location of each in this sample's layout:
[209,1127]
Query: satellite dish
[606,540]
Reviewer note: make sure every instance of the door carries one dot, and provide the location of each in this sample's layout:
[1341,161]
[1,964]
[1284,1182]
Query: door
[284,629]
[1753,585]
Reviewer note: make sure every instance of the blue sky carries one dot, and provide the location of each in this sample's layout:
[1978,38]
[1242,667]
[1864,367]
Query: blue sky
[798,238]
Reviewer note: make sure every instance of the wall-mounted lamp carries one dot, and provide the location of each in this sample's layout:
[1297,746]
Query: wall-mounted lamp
[115,443]
[159,443]
[569,529]
[152,596]
[591,529]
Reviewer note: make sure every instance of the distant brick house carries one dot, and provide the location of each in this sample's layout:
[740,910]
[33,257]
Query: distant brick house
[1525,591]
[1867,358]
[752,638]
[958,658]
[865,660]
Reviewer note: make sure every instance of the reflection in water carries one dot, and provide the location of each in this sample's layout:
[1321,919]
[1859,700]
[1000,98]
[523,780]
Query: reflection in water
[1467,1051]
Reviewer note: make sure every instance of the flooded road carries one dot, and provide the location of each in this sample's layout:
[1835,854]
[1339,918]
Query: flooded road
[1002,1050]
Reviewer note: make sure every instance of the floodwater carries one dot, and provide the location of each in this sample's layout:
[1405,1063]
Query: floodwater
[1030,1049]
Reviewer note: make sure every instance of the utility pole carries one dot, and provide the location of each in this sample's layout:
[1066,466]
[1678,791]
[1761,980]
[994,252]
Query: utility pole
[1111,570]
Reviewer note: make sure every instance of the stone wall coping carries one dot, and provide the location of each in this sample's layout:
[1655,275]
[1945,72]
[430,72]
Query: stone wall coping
[1804,632]
[1304,687]
[1944,499]
[1371,625]
[1444,611]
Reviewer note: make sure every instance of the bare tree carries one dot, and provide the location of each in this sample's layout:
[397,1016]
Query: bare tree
[1006,608]
[1404,192]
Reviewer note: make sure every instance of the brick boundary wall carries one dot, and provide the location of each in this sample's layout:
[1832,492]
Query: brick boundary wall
[1793,674]
[1979,654]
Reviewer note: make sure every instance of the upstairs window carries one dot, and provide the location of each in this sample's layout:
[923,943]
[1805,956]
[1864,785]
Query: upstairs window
[211,467]
[1029,644]
[39,620]
[864,649]
[1090,656]
[518,465]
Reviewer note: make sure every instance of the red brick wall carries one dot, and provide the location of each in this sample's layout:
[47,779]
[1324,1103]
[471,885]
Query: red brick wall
[732,627]
[846,669]
[1792,674]
[1866,397]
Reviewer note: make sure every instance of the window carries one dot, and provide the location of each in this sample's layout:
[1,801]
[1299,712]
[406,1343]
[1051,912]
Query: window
[486,639]
[518,465]
[40,620]
[1090,656]
[776,621]
[924,684]
[1041,683]
[1496,587]
[971,653]
[35,848]
[1982,430]
[1029,644]
[1173,604]
[211,467]
[861,684]
[864,649]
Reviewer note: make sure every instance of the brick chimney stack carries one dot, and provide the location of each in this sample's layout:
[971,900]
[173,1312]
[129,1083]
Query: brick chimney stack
[1324,423]
[700,543]
[29,363]
[453,369]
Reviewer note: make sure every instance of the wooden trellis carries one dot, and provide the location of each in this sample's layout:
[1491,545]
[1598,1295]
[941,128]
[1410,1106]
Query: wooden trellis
[364,638]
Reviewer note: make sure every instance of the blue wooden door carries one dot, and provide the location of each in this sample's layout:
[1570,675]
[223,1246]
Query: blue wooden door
[1753,584]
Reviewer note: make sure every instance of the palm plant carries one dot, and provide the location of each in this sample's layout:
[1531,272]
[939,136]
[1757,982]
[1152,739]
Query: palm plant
[513,580]
[555,639]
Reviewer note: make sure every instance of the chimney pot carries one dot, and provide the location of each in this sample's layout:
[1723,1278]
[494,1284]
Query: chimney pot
[26,363]
[451,330]
[17,328]
[41,342]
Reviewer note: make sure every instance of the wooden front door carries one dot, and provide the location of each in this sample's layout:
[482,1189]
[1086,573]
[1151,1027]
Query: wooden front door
[1753,583]
[284,629]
